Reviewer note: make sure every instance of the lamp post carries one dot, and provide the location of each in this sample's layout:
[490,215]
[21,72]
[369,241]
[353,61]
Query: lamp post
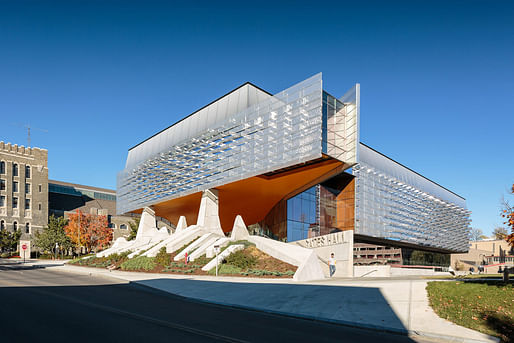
[80,245]
[217,250]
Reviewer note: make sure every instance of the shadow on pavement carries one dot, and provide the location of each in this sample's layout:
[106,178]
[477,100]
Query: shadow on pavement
[360,306]
[132,313]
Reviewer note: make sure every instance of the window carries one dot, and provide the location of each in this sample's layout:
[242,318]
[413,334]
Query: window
[27,204]
[27,188]
[2,200]
[39,206]
[27,228]
[2,225]
[14,202]
[15,186]
[15,170]
[39,188]
[123,226]
[15,226]
[2,167]
[112,226]
[27,172]
[2,185]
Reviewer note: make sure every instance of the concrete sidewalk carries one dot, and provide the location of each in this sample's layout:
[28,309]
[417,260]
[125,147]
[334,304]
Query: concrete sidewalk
[390,305]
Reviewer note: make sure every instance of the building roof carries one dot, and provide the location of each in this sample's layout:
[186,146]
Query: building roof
[249,84]
[413,171]
[79,186]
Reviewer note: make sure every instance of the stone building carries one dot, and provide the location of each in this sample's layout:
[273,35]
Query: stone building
[23,189]
[488,253]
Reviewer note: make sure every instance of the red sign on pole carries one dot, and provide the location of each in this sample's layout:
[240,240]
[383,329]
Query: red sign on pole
[24,246]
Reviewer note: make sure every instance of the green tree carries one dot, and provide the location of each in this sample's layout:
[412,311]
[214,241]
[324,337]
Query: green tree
[53,233]
[134,224]
[9,240]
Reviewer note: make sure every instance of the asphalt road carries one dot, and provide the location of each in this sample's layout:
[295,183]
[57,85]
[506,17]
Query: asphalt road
[44,305]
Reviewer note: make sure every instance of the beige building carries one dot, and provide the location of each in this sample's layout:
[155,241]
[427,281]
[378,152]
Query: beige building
[23,189]
[490,253]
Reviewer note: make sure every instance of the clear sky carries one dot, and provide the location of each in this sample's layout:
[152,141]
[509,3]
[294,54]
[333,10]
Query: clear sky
[437,78]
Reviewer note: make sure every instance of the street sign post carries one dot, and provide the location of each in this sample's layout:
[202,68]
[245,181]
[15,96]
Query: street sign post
[217,250]
[24,247]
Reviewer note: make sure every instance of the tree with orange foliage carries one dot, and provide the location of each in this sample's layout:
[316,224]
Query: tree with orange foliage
[508,214]
[88,230]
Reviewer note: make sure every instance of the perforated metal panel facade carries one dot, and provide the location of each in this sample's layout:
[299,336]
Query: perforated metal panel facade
[276,132]
[395,203]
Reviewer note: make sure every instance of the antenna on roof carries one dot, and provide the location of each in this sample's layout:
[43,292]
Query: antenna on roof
[29,127]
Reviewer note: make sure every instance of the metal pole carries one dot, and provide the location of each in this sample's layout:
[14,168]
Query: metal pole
[80,246]
[216,262]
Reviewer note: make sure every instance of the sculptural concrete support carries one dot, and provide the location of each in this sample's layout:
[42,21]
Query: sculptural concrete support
[147,225]
[181,225]
[208,214]
[239,230]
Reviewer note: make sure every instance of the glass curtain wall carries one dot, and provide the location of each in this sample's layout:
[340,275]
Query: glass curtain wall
[311,213]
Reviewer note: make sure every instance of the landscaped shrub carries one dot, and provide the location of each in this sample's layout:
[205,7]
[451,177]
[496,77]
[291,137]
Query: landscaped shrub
[162,258]
[116,258]
[140,262]
[225,268]
[201,261]
[241,260]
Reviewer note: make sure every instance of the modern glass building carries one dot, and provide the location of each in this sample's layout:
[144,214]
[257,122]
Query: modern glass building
[292,166]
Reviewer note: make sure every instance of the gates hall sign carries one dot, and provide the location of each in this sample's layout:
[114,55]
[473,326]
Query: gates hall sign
[323,241]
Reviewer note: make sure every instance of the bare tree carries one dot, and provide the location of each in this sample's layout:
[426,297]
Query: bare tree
[500,232]
[476,234]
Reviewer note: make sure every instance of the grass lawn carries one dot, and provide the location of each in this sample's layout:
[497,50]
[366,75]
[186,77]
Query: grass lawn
[468,276]
[485,306]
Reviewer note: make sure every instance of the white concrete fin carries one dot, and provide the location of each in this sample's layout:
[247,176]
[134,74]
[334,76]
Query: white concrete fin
[191,247]
[208,214]
[202,248]
[222,242]
[147,225]
[181,225]
[119,243]
[239,230]
[231,249]
[184,237]
[172,240]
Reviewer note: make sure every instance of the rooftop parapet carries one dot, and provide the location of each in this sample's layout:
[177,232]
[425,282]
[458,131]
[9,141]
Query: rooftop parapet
[24,151]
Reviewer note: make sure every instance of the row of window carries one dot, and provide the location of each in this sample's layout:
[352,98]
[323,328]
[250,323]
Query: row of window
[15,186]
[15,226]
[15,168]
[15,201]
[122,226]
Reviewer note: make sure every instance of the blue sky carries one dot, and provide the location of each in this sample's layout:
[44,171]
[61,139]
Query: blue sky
[437,78]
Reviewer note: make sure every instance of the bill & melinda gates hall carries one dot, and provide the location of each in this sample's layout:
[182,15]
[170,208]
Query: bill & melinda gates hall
[291,164]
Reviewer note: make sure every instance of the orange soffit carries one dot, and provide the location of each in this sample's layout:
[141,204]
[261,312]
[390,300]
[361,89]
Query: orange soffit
[254,197]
